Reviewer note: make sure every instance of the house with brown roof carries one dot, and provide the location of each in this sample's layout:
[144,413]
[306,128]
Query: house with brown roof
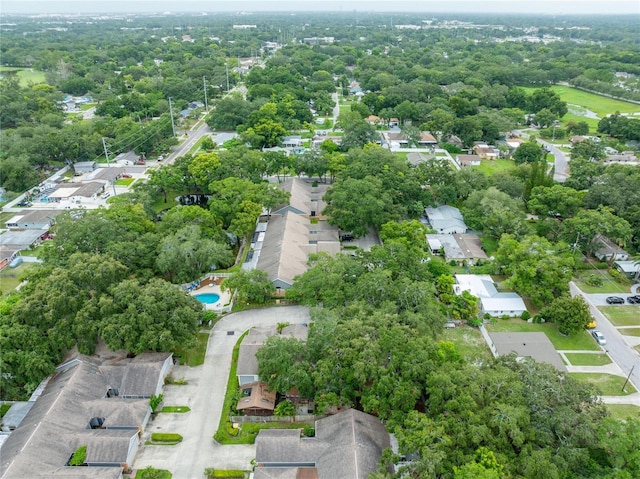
[486,152]
[257,399]
[427,139]
[468,160]
[347,445]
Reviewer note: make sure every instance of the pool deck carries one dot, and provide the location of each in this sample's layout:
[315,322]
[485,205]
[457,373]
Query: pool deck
[225,297]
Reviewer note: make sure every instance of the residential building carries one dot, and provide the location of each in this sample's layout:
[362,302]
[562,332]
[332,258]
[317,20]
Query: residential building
[256,399]
[629,268]
[347,445]
[492,302]
[486,152]
[533,345]
[427,139]
[33,220]
[607,250]
[446,219]
[468,160]
[462,248]
[81,167]
[102,404]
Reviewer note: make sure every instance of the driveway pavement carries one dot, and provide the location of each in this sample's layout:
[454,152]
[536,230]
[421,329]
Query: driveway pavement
[204,394]
[620,351]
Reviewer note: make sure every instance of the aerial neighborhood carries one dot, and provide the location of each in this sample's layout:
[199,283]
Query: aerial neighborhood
[319,245]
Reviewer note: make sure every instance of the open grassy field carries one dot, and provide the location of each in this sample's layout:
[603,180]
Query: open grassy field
[585,359]
[630,331]
[608,384]
[495,166]
[627,315]
[592,122]
[26,75]
[469,342]
[11,277]
[580,341]
[601,105]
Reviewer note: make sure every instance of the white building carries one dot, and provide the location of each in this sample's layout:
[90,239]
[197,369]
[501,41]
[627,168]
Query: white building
[494,303]
[446,219]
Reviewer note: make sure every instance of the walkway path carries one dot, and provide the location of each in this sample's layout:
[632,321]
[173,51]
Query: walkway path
[204,394]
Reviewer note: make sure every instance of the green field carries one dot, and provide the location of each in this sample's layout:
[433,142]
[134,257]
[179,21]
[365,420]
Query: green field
[608,384]
[26,75]
[623,411]
[622,315]
[581,341]
[601,105]
[469,342]
[495,166]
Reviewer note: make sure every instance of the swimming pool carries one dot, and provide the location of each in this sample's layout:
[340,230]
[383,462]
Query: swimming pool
[208,298]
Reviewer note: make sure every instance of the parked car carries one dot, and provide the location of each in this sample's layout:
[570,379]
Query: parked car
[592,324]
[635,299]
[615,300]
[125,175]
[599,337]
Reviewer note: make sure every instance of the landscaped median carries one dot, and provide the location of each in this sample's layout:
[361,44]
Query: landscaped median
[165,439]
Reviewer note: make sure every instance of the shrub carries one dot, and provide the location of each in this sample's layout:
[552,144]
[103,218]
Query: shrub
[309,431]
[150,472]
[615,274]
[525,315]
[154,401]
[474,322]
[166,437]
[505,317]
[78,457]
[285,408]
[595,281]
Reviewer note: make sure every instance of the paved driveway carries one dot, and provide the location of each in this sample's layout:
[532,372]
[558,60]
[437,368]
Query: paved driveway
[204,394]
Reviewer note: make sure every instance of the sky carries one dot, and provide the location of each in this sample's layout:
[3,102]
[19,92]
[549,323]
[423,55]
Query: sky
[552,7]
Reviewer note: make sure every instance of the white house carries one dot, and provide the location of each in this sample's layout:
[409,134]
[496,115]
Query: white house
[494,303]
[446,219]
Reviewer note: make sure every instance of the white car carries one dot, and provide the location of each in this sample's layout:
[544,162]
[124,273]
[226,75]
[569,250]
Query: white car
[599,337]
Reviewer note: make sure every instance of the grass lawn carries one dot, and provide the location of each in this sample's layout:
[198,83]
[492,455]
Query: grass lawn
[125,181]
[592,122]
[623,411]
[345,108]
[495,166]
[4,408]
[25,75]
[622,315]
[37,251]
[12,277]
[175,409]
[151,473]
[608,384]
[584,359]
[469,342]
[159,203]
[609,285]
[195,355]
[599,104]
[629,331]
[580,341]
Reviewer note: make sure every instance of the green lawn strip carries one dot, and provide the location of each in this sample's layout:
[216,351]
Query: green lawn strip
[224,473]
[607,384]
[125,181]
[601,105]
[581,341]
[629,331]
[495,166]
[222,434]
[151,473]
[4,408]
[469,342]
[622,315]
[585,359]
[623,411]
[194,356]
[165,439]
[175,409]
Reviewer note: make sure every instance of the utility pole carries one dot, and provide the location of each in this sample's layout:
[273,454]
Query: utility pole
[625,383]
[106,154]
[206,104]
[226,65]
[173,125]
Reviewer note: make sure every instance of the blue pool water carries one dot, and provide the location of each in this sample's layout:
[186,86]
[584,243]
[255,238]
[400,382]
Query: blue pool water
[208,298]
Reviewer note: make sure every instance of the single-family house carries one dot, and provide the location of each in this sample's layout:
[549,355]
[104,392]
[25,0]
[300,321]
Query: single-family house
[446,219]
[374,120]
[33,220]
[127,159]
[427,139]
[468,160]
[84,403]
[76,192]
[347,445]
[394,139]
[607,250]
[486,152]
[81,167]
[628,157]
[629,268]
[256,399]
[455,141]
[574,140]
[462,248]
[535,345]
[415,158]
[292,141]
[492,302]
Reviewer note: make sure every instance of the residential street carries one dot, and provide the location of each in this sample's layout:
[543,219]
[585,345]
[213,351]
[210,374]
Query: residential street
[619,347]
[561,164]
[204,394]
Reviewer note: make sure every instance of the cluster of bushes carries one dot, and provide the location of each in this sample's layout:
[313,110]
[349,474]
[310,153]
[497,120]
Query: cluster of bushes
[228,473]
[169,437]
[78,457]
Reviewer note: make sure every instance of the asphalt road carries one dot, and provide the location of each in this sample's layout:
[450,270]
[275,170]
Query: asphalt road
[618,349]
[561,163]
[204,394]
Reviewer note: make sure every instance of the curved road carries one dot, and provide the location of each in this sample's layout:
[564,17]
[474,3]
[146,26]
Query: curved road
[204,394]
[561,163]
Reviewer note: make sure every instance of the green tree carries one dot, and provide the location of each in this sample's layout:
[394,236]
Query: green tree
[251,287]
[528,152]
[555,200]
[583,228]
[572,315]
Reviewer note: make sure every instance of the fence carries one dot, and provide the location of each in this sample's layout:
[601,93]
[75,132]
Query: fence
[489,341]
[302,418]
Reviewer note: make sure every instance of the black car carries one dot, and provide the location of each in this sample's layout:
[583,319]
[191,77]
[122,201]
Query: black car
[634,299]
[615,300]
